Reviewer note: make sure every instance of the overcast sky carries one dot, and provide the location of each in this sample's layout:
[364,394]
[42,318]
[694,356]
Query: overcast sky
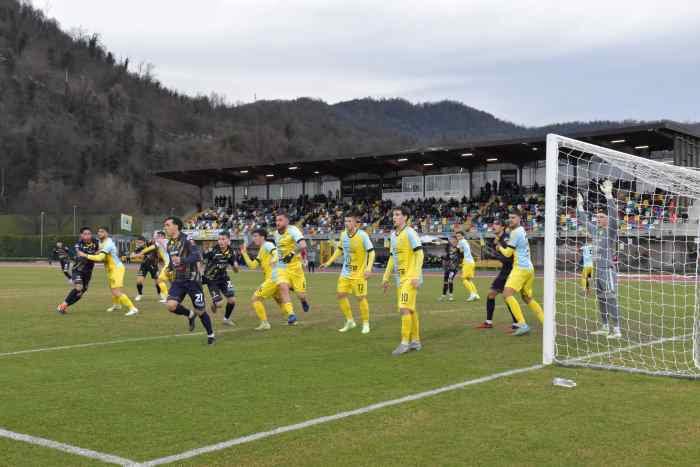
[528,61]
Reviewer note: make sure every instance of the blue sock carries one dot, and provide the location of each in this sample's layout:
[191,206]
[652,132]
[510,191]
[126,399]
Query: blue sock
[305,305]
[490,307]
[181,310]
[206,322]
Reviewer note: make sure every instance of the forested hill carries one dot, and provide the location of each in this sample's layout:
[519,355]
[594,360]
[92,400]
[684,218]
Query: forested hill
[78,123]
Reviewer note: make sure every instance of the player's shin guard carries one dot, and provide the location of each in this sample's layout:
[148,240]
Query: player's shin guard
[229,310]
[515,309]
[206,322]
[345,308]
[415,327]
[181,310]
[260,310]
[124,300]
[511,313]
[536,309]
[445,285]
[406,327]
[490,307]
[469,285]
[364,310]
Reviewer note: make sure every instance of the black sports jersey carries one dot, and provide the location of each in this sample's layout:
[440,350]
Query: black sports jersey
[83,265]
[507,262]
[190,256]
[60,253]
[149,259]
[452,259]
[218,261]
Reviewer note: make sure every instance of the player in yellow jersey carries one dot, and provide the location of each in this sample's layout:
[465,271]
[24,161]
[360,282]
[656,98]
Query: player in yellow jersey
[159,245]
[522,277]
[358,258]
[406,262]
[291,249]
[266,260]
[109,255]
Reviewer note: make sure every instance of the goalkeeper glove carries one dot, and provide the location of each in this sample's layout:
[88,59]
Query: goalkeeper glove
[288,258]
[606,187]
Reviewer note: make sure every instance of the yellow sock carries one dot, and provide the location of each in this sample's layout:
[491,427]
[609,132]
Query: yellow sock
[406,326]
[364,310]
[260,310]
[415,328]
[537,309]
[469,285]
[288,308]
[515,309]
[163,289]
[345,308]
[124,300]
[115,300]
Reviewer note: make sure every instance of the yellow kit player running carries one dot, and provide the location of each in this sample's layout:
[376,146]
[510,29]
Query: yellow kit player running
[109,255]
[522,277]
[358,258]
[406,262]
[468,266]
[266,260]
[291,249]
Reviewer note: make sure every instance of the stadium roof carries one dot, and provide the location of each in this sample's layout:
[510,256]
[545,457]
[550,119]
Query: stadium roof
[638,139]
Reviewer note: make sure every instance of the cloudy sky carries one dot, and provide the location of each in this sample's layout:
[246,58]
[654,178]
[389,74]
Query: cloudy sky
[528,61]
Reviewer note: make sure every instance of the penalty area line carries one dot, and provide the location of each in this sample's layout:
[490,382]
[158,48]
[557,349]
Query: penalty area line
[331,418]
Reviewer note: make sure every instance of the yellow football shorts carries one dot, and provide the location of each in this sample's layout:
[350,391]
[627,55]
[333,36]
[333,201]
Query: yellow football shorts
[468,270]
[406,295]
[586,274]
[521,280]
[294,277]
[267,289]
[356,287]
[115,277]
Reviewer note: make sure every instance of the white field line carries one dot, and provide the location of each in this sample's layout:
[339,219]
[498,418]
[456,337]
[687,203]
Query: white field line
[332,418]
[47,443]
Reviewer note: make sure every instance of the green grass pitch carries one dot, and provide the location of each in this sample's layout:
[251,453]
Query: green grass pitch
[146,399]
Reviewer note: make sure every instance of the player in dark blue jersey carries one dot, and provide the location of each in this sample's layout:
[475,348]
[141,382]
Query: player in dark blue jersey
[82,269]
[499,283]
[218,260]
[148,267]
[185,258]
[450,265]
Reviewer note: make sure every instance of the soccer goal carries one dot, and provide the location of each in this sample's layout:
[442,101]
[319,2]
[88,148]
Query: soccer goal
[621,261]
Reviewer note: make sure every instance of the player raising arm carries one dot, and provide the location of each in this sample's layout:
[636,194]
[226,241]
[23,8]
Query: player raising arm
[605,237]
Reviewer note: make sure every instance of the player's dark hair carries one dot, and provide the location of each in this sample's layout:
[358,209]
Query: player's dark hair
[516,212]
[353,213]
[225,234]
[83,229]
[103,227]
[141,237]
[497,222]
[282,212]
[261,232]
[175,220]
[459,232]
[160,233]
[403,210]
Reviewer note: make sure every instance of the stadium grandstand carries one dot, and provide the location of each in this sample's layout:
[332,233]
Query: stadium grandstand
[447,188]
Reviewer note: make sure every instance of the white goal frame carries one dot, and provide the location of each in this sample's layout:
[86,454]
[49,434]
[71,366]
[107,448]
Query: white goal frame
[549,338]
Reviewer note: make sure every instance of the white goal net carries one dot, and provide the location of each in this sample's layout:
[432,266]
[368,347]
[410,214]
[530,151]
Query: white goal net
[621,262]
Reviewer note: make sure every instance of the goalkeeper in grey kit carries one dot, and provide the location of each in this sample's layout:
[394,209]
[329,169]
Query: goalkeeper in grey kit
[605,236]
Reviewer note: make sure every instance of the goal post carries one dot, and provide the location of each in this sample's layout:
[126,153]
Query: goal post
[621,261]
